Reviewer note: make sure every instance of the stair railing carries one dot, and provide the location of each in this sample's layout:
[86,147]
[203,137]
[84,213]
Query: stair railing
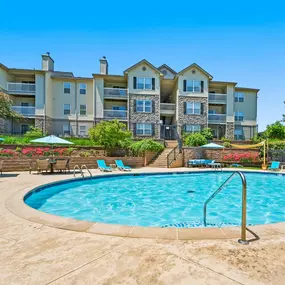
[172,156]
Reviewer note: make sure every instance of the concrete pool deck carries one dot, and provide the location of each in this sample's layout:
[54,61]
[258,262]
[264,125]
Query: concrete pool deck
[38,253]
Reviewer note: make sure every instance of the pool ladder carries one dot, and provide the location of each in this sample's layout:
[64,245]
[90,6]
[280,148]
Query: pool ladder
[81,170]
[242,240]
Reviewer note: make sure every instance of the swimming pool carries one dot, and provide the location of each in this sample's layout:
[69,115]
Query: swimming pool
[164,200]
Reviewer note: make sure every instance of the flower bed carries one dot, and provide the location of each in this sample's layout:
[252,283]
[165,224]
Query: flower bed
[247,157]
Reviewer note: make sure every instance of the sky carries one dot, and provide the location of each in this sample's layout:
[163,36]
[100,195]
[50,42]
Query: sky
[240,41]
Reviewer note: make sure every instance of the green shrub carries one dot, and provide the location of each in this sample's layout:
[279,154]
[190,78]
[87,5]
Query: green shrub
[275,131]
[111,134]
[227,144]
[195,140]
[34,133]
[142,146]
[207,133]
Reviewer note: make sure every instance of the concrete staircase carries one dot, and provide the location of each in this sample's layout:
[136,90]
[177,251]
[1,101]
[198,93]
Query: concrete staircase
[161,160]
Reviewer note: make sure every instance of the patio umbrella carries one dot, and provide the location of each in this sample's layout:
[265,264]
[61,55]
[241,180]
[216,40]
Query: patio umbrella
[1,139]
[212,146]
[51,140]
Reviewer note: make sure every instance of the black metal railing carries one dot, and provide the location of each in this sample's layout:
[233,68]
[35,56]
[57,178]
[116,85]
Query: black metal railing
[172,156]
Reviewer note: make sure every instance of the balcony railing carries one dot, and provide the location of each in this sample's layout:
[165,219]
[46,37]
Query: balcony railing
[217,98]
[217,118]
[167,108]
[115,114]
[115,93]
[26,111]
[21,88]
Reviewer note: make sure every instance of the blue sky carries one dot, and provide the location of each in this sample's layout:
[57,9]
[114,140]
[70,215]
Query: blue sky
[241,41]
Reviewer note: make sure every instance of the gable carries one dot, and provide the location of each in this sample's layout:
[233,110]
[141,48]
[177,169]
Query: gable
[143,64]
[193,67]
[167,71]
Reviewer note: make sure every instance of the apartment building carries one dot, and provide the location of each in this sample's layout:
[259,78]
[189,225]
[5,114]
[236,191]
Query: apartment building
[152,101]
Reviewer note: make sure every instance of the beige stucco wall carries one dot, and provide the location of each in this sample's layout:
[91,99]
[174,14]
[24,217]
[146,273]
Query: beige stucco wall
[230,103]
[108,104]
[86,99]
[98,87]
[198,76]
[4,78]
[138,72]
[23,99]
[49,103]
[248,107]
[40,94]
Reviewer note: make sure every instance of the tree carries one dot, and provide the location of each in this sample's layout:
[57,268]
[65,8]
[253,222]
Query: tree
[196,139]
[141,147]
[111,134]
[207,133]
[275,131]
[6,111]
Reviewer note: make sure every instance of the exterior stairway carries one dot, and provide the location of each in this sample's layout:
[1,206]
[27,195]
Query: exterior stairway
[161,160]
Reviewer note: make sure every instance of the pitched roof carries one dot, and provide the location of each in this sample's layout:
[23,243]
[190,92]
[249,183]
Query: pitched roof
[167,67]
[145,62]
[198,67]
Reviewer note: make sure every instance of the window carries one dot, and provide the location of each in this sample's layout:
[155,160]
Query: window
[239,116]
[143,129]
[66,109]
[239,134]
[192,128]
[144,106]
[193,108]
[66,129]
[82,131]
[82,88]
[193,86]
[144,83]
[24,129]
[82,109]
[239,96]
[66,87]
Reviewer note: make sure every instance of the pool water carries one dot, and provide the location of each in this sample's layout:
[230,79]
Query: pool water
[168,200]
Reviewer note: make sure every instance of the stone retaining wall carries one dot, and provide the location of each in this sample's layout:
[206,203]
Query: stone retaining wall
[17,164]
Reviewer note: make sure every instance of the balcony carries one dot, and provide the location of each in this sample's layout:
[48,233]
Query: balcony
[115,114]
[167,108]
[26,111]
[215,98]
[115,93]
[217,118]
[21,88]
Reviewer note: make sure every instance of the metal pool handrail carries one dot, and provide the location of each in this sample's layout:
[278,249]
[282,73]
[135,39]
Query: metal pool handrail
[84,166]
[243,222]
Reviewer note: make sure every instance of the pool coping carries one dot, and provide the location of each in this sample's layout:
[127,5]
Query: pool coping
[17,206]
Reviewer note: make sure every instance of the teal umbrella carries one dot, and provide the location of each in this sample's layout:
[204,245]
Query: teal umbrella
[212,145]
[51,140]
[1,139]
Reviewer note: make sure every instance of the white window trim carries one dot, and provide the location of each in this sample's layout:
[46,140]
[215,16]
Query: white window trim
[238,116]
[239,97]
[69,87]
[193,86]
[69,109]
[68,130]
[144,106]
[85,129]
[144,79]
[192,128]
[80,110]
[144,129]
[193,108]
[82,88]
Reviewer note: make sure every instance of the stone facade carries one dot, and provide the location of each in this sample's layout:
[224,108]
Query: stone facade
[184,119]
[153,118]
[230,131]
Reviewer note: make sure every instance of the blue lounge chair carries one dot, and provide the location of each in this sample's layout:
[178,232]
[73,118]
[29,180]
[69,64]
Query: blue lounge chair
[102,166]
[275,165]
[121,166]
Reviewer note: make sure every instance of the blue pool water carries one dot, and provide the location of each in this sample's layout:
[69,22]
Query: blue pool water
[164,200]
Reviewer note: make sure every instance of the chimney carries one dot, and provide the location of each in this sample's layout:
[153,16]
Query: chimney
[47,62]
[103,65]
